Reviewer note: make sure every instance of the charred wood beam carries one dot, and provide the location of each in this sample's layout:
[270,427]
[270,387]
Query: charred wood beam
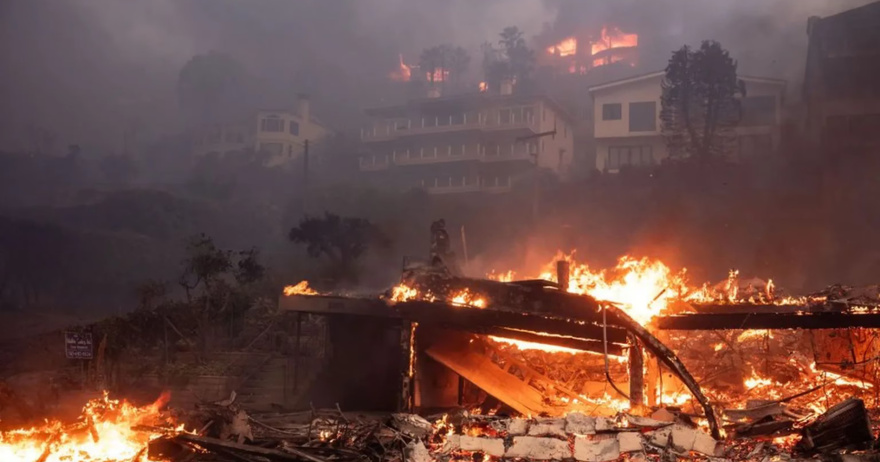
[666,356]
[722,321]
[468,318]
[567,342]
[636,375]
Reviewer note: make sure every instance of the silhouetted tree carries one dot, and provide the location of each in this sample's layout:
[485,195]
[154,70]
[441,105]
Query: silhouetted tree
[210,87]
[342,240]
[447,62]
[699,103]
[511,60]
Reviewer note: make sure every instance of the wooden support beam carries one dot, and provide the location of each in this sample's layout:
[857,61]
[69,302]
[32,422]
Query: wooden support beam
[593,346]
[636,374]
[471,319]
[724,321]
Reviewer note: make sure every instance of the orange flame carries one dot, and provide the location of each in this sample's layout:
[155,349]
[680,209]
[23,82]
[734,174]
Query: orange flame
[403,73]
[612,37]
[104,434]
[302,288]
[439,75]
[566,47]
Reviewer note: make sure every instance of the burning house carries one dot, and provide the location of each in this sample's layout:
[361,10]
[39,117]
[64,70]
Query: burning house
[578,54]
[469,143]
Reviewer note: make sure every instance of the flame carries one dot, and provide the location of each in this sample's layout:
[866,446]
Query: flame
[468,299]
[403,293]
[612,37]
[524,345]
[483,87]
[103,434]
[642,287]
[566,47]
[403,73]
[439,75]
[301,288]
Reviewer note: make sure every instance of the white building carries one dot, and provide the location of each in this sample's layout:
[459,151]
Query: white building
[626,115]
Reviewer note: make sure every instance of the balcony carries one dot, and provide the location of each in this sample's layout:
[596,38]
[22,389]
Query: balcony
[387,130]
[374,163]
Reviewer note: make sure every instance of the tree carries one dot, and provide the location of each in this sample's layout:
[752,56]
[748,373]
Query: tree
[446,62]
[342,240]
[511,60]
[211,87]
[699,105]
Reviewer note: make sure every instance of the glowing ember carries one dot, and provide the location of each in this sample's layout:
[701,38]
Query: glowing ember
[483,87]
[403,73]
[523,345]
[302,288]
[104,434]
[566,47]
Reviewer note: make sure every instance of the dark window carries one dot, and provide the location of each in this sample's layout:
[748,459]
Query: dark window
[758,110]
[612,111]
[643,116]
[294,128]
[272,124]
[620,156]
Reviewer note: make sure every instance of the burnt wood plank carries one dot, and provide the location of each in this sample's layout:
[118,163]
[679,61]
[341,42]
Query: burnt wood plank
[723,321]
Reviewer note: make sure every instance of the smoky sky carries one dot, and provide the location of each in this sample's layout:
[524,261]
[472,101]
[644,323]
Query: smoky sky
[86,69]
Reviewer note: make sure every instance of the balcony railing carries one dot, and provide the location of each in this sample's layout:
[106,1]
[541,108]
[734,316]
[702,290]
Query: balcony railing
[390,130]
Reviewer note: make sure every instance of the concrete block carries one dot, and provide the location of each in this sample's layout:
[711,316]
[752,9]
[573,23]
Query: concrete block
[604,423]
[596,448]
[490,446]
[517,427]
[417,452]
[452,444]
[660,437]
[646,422]
[548,427]
[686,439]
[630,441]
[579,424]
[532,447]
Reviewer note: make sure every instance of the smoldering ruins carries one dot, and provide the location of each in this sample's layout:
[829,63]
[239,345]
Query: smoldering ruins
[415,231]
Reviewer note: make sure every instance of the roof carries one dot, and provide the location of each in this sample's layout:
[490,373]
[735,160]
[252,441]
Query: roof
[653,75]
[852,13]
[474,99]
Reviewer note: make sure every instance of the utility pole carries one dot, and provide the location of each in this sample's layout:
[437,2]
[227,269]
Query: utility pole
[536,193]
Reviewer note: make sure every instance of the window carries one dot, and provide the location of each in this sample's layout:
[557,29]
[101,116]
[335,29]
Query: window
[294,128]
[643,116]
[612,111]
[274,149]
[758,110]
[272,124]
[636,156]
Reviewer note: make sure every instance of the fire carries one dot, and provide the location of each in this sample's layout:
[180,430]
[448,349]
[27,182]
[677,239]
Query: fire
[439,75]
[523,345]
[642,287]
[403,293]
[483,87]
[612,37]
[567,47]
[403,73]
[301,288]
[468,299]
[103,434]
